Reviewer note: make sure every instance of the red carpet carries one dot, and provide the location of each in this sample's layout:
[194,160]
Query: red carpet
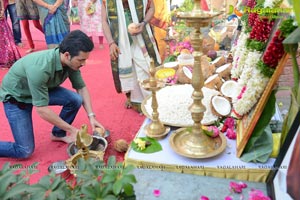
[108,106]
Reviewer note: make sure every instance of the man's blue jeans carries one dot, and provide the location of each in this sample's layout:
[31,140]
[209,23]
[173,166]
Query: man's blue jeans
[19,116]
[11,9]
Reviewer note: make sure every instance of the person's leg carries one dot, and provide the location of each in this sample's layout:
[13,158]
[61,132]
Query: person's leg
[38,25]
[11,9]
[25,24]
[70,102]
[20,121]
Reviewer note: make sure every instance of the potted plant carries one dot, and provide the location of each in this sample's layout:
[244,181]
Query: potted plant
[94,179]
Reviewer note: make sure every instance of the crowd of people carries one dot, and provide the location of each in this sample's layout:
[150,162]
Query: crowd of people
[34,80]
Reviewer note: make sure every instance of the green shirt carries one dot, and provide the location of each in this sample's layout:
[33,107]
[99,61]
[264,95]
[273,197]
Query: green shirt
[31,77]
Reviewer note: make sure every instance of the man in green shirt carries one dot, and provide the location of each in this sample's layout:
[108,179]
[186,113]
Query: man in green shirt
[35,80]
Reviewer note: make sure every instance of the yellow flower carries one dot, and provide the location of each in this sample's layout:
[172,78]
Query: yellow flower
[140,143]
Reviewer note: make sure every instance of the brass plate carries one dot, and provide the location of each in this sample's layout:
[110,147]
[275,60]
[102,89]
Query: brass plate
[157,136]
[183,143]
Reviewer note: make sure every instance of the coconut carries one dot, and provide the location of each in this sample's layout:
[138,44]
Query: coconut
[121,145]
[219,61]
[208,117]
[229,89]
[220,106]
[184,75]
[133,28]
[213,82]
[208,69]
[224,71]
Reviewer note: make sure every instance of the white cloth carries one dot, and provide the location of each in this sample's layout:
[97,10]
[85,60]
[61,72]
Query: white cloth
[133,59]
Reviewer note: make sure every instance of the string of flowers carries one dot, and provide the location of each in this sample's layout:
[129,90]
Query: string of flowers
[240,51]
[263,71]
[252,82]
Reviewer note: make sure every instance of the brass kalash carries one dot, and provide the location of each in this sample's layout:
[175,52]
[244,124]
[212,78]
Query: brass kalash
[83,141]
[156,129]
[191,141]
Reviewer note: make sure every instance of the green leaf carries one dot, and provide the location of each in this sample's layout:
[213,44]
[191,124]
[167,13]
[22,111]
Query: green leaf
[296,6]
[152,148]
[170,58]
[117,187]
[108,178]
[128,189]
[260,144]
[289,119]
[88,192]
[16,190]
[129,178]
[261,149]
[110,197]
[128,169]
[111,161]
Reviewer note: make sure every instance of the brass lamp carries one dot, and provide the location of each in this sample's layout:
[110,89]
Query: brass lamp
[191,141]
[156,129]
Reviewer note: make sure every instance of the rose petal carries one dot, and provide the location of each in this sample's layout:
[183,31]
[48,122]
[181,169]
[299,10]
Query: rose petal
[156,193]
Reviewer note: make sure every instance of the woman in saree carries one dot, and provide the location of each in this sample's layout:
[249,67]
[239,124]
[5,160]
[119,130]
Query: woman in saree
[54,19]
[8,50]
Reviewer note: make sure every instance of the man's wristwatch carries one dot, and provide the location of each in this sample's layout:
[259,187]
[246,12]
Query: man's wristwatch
[91,115]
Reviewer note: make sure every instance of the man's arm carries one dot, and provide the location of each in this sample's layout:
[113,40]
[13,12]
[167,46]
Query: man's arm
[87,104]
[148,16]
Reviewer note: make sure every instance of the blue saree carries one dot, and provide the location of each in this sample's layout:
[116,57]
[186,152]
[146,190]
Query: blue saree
[56,26]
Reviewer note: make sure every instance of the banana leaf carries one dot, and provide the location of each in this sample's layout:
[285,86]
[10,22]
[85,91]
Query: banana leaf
[260,144]
[291,46]
[153,147]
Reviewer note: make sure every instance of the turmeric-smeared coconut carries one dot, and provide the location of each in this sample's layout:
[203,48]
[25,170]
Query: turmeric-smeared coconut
[121,145]
[224,71]
[184,75]
[219,61]
[220,106]
[213,82]
[229,89]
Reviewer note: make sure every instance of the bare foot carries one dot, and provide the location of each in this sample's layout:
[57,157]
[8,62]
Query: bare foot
[66,139]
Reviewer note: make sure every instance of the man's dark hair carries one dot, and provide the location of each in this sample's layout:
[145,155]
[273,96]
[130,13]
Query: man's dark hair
[75,42]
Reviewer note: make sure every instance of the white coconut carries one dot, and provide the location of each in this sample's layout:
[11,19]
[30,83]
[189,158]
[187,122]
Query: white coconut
[213,82]
[220,106]
[208,117]
[229,89]
[219,61]
[224,71]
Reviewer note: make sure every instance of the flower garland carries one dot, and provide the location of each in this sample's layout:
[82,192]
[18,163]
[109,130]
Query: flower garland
[255,74]
[263,71]
[240,53]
